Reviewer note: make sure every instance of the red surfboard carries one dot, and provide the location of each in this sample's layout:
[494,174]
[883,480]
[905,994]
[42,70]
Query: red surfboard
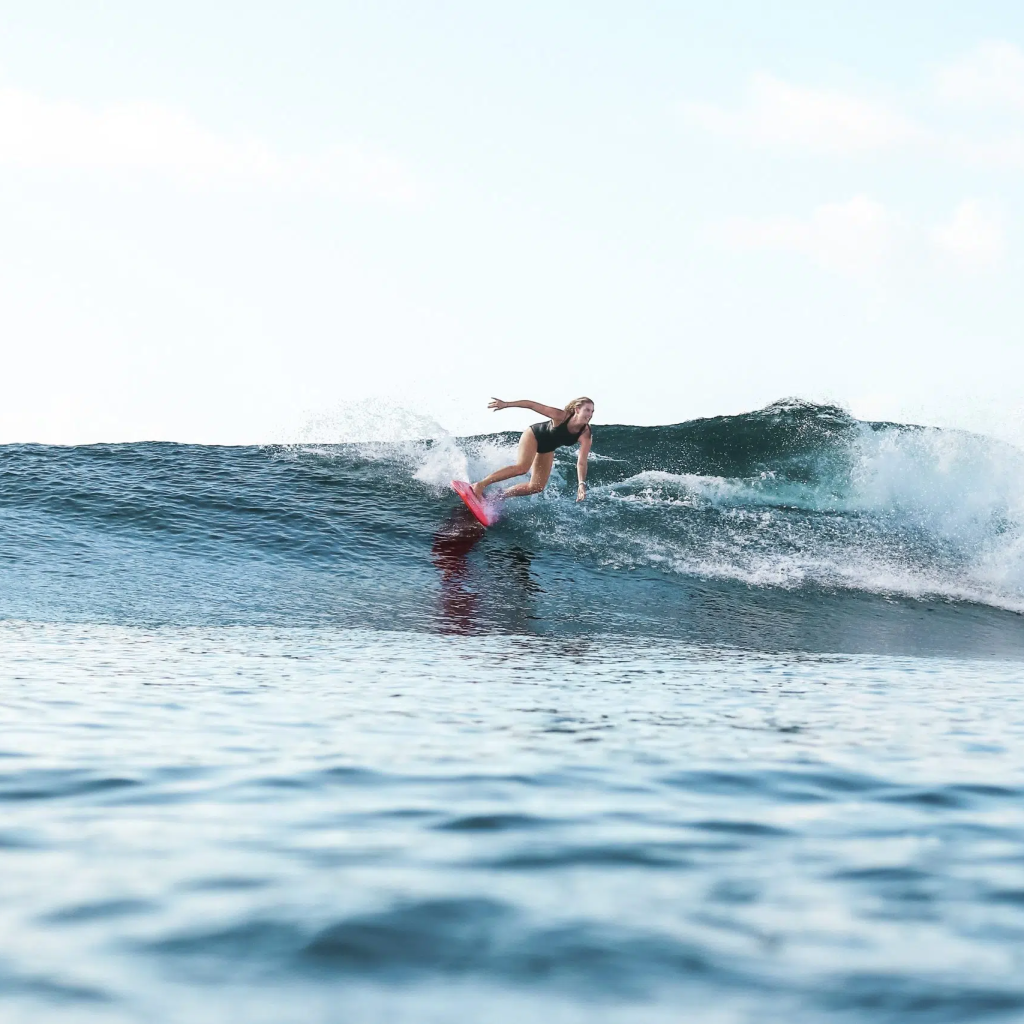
[486,511]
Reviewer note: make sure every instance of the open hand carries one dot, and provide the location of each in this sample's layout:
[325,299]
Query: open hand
[581,492]
[497,404]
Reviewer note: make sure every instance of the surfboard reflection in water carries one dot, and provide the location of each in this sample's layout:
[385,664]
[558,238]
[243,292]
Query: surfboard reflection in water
[453,542]
[484,586]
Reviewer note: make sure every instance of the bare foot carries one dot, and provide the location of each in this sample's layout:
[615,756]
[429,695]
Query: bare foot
[478,490]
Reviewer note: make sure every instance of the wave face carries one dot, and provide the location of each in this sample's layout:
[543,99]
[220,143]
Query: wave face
[795,526]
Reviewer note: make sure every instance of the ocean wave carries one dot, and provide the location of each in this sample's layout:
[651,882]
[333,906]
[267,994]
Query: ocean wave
[792,497]
[895,510]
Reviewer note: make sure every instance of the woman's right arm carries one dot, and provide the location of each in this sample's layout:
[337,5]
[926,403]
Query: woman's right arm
[524,403]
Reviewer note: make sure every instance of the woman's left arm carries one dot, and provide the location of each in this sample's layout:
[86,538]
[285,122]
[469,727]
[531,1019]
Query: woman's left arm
[581,464]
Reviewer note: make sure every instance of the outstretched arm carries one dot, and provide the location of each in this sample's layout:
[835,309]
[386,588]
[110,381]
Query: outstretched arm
[581,463]
[549,411]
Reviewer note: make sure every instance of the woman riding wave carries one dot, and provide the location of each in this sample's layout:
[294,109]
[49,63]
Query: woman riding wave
[538,443]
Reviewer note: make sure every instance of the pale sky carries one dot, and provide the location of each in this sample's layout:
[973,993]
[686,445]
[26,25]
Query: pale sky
[224,222]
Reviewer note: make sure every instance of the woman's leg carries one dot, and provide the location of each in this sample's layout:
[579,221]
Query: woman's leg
[524,459]
[538,477]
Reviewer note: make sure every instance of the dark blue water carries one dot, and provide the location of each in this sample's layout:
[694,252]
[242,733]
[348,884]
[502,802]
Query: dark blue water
[285,736]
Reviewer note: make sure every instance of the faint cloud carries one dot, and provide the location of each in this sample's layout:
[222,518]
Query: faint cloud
[991,74]
[1005,152]
[973,238]
[148,138]
[777,113]
[786,116]
[854,237]
[989,77]
[861,236]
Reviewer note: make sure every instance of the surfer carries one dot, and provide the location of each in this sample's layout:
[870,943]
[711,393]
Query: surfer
[538,443]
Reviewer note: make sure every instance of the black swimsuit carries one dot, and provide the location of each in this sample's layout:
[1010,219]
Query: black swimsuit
[549,437]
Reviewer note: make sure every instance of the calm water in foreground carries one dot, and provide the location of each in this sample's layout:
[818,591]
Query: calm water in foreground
[278,824]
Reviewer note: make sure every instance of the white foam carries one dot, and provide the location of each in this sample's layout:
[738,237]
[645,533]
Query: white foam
[943,518]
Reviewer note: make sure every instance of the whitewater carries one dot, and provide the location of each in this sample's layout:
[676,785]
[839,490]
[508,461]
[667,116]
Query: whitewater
[738,738]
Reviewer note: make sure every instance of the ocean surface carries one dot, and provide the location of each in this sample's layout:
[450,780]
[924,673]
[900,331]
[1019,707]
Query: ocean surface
[286,736]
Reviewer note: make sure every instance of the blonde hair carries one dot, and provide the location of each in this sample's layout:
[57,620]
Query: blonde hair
[570,409]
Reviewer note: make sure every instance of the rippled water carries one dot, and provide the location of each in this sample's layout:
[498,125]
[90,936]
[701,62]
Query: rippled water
[209,823]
